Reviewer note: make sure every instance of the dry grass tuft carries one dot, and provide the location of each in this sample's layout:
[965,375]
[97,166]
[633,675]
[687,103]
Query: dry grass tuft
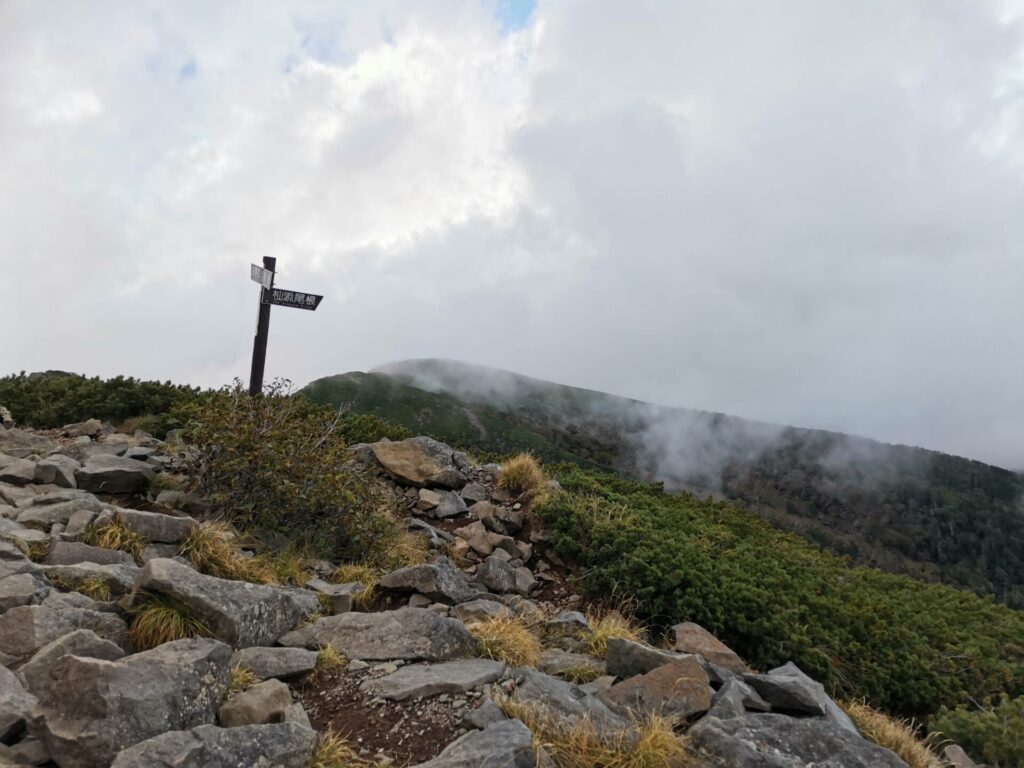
[328,658]
[212,547]
[896,735]
[157,620]
[116,535]
[94,587]
[609,625]
[582,674]
[242,679]
[522,476]
[510,640]
[366,575]
[289,567]
[651,743]
[334,751]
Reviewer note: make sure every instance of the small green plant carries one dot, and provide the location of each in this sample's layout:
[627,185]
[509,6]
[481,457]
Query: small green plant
[157,619]
[507,639]
[522,476]
[116,534]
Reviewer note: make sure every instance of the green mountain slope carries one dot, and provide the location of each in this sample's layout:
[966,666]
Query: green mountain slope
[901,509]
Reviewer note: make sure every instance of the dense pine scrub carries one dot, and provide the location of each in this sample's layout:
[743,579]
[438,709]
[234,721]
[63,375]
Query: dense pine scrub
[904,646]
[55,398]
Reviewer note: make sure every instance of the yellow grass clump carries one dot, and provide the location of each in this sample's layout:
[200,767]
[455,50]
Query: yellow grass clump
[157,619]
[328,658]
[896,735]
[510,640]
[522,476]
[651,743]
[116,535]
[289,567]
[368,576]
[212,548]
[608,625]
[335,751]
[242,679]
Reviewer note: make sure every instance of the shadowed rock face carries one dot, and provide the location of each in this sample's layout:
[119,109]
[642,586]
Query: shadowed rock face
[90,709]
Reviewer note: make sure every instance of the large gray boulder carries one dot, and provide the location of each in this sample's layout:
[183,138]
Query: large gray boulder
[92,709]
[21,443]
[281,663]
[45,515]
[451,505]
[779,741]
[106,473]
[788,689]
[87,428]
[15,706]
[408,633]
[280,745]
[693,638]
[16,471]
[72,552]
[441,581]
[679,688]
[415,681]
[626,658]
[506,744]
[35,673]
[237,612]
[562,700]
[422,462]
[27,628]
[57,469]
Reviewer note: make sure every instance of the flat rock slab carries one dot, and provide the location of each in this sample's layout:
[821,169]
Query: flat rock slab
[420,462]
[21,443]
[44,515]
[693,638]
[72,552]
[21,589]
[280,745]
[16,471]
[416,681]
[481,610]
[237,612]
[441,581]
[680,688]
[157,528]
[564,701]
[507,744]
[93,709]
[58,470]
[26,629]
[787,688]
[281,663]
[626,658]
[555,661]
[412,634]
[106,473]
[779,741]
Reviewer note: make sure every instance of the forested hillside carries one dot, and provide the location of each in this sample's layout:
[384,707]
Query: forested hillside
[902,509]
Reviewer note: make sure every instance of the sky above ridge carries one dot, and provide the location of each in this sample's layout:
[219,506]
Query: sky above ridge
[807,212]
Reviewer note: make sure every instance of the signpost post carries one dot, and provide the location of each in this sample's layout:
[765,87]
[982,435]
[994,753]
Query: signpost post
[269,295]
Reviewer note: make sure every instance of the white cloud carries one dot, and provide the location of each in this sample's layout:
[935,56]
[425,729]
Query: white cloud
[804,212]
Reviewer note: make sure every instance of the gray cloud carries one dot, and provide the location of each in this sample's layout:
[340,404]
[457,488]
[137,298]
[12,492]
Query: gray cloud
[801,212]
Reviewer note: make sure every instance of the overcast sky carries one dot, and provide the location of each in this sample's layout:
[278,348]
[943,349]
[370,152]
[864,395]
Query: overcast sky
[805,212]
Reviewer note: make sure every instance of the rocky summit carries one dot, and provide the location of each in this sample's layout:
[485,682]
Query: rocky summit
[421,668]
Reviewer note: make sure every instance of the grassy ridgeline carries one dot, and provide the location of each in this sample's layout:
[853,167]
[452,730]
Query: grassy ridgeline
[905,646]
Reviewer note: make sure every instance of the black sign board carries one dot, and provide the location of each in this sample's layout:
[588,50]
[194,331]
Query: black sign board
[295,299]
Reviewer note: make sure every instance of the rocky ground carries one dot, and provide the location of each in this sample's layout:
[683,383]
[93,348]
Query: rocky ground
[412,687]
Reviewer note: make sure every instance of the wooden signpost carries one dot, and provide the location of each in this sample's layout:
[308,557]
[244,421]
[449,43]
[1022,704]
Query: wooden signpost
[269,295]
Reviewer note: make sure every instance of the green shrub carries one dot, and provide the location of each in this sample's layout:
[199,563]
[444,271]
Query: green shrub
[278,466]
[993,733]
[53,399]
[904,646]
[365,428]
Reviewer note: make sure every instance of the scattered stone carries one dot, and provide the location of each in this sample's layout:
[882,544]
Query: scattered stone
[788,689]
[155,527]
[693,638]
[264,703]
[680,688]
[45,515]
[626,658]
[21,443]
[88,428]
[189,503]
[437,536]
[416,681]
[734,698]
[427,499]
[106,473]
[506,744]
[497,575]
[477,537]
[480,610]
[281,663]
[155,551]
[451,505]
[16,471]
[563,700]
[36,672]
[440,581]
[421,462]
[407,633]
[279,745]
[72,552]
[27,628]
[21,589]
[237,612]
[91,709]
[778,741]
[474,492]
[58,470]
[483,716]
[339,596]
